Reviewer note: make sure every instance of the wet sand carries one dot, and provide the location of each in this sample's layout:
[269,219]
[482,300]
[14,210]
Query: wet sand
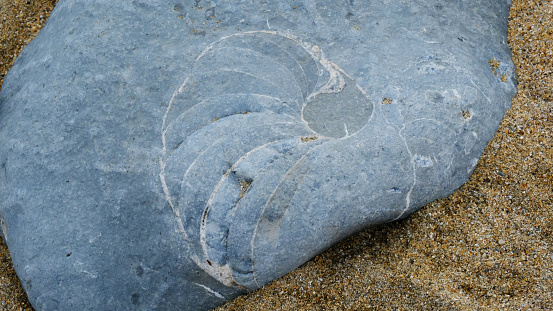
[488,246]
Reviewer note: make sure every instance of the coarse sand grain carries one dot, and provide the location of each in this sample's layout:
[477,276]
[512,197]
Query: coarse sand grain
[488,246]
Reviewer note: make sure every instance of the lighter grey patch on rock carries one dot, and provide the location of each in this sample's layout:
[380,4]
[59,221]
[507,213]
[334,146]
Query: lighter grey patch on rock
[211,291]
[422,161]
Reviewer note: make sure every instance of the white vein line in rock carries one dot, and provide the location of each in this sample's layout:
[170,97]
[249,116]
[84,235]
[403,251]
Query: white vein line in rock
[373,113]
[335,78]
[161,162]
[210,290]
[170,200]
[181,88]
[408,196]
[489,101]
[212,44]
[196,159]
[432,120]
[191,107]
[163,130]
[175,210]
[306,124]
[252,241]
[164,184]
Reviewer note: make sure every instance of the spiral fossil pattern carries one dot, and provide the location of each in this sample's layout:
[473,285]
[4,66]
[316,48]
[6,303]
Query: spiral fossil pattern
[258,112]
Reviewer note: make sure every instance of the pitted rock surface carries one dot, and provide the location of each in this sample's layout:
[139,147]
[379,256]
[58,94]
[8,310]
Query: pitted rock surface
[162,155]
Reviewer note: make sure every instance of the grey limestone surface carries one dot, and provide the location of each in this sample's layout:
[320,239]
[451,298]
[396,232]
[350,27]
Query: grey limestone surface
[172,155]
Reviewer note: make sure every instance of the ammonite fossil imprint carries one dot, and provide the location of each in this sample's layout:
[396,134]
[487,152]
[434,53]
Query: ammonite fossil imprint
[241,134]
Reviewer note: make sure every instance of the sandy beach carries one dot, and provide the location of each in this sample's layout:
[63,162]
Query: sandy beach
[488,246]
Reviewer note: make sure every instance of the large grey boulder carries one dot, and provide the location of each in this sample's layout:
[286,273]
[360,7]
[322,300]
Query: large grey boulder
[167,155]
